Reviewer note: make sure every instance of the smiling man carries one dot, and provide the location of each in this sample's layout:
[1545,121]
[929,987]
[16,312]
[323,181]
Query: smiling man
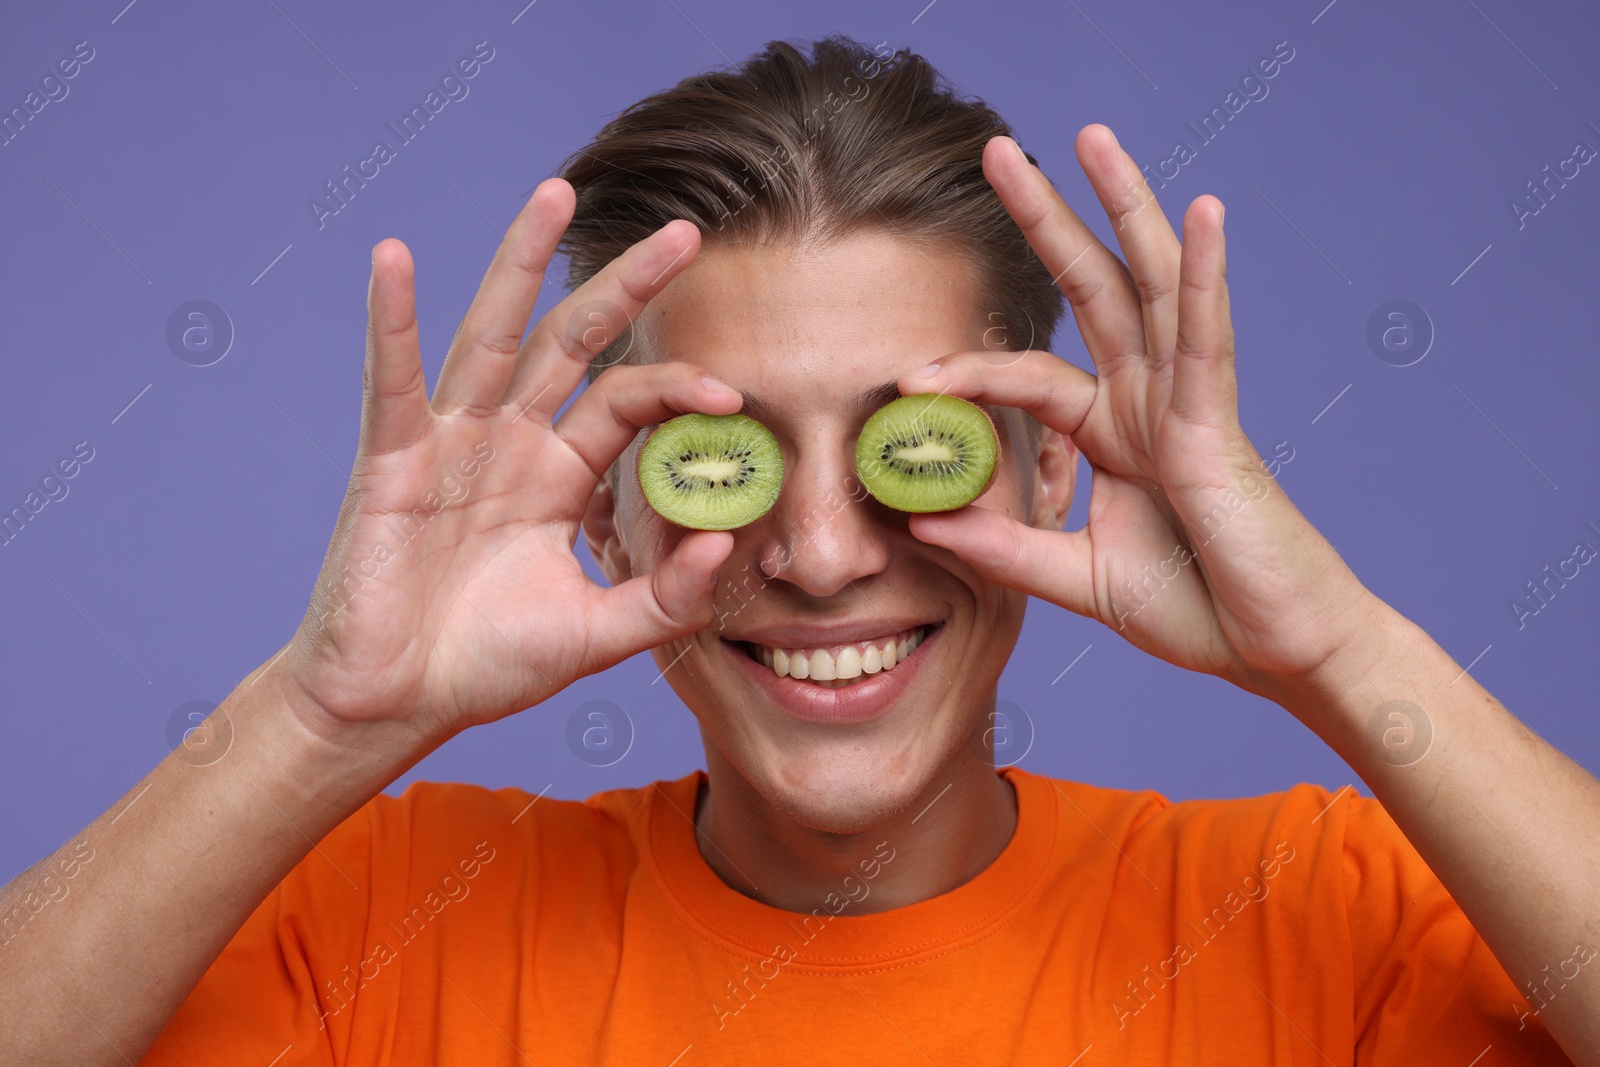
[803,239]
[824,745]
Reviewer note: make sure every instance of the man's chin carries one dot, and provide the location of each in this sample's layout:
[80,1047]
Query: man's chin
[847,799]
[839,781]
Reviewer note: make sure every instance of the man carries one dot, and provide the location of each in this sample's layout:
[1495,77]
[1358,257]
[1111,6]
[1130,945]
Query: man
[801,240]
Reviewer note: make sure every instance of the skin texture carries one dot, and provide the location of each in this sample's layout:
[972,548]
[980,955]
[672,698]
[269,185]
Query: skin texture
[486,610]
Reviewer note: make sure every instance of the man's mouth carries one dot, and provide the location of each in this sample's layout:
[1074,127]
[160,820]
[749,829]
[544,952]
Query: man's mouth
[839,666]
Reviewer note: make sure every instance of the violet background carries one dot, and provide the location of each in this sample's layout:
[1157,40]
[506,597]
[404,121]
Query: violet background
[1379,167]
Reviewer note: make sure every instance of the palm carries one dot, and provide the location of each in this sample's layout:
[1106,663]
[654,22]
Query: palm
[1128,530]
[451,594]
[515,586]
[1156,486]
[448,619]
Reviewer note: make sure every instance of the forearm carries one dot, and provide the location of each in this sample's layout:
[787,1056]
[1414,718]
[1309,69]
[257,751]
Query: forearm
[1510,825]
[161,881]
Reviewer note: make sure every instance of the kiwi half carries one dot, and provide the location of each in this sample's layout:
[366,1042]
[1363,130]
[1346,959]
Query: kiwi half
[927,453]
[711,472]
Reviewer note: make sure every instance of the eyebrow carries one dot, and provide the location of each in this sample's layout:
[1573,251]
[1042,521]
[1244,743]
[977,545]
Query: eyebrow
[866,400]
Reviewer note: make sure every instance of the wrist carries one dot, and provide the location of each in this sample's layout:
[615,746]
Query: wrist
[317,759]
[1352,671]
[1377,697]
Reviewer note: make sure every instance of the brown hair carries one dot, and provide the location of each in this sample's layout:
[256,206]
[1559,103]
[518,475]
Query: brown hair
[790,147]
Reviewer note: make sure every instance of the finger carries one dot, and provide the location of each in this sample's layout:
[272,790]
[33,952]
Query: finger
[394,394]
[672,601]
[1046,386]
[1204,389]
[1143,232]
[609,414]
[1096,283]
[560,347]
[483,353]
[1048,564]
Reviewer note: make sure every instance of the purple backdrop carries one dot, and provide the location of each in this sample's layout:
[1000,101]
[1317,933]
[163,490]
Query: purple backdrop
[1379,163]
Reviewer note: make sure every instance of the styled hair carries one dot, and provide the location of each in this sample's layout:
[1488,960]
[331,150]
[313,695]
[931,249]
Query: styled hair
[810,149]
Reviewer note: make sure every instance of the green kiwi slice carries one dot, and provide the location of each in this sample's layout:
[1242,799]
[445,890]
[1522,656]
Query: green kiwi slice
[927,453]
[711,472]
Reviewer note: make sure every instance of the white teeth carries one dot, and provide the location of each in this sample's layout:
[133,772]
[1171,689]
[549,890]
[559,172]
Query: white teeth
[822,666]
[853,661]
[848,664]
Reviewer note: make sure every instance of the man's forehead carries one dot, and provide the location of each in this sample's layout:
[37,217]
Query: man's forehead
[867,296]
[781,287]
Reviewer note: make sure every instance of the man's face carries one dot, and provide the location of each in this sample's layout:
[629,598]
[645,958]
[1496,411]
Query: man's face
[809,336]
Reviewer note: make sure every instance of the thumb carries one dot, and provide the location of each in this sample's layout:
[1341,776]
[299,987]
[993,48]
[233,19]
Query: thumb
[1048,564]
[652,609]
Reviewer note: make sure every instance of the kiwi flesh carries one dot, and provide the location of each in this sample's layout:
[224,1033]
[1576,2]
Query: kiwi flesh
[927,453]
[711,472]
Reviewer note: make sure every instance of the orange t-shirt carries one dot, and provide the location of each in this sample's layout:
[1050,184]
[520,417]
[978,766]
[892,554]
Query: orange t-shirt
[455,925]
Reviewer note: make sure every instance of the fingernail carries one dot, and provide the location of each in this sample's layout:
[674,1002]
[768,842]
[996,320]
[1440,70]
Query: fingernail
[927,372]
[715,385]
[1020,152]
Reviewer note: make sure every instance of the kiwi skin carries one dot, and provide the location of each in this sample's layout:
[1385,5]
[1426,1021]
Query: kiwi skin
[868,463]
[707,511]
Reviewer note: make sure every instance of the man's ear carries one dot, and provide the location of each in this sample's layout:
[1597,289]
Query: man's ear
[600,532]
[1054,480]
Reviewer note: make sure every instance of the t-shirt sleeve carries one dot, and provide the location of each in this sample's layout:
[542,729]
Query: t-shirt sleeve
[1427,987]
[265,999]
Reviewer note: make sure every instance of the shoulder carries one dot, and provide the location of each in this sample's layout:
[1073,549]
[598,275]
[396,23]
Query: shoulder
[1213,845]
[1148,820]
[1335,858]
[432,826]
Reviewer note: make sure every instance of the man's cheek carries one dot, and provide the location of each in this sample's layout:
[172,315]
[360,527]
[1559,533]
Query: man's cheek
[648,538]
[1005,494]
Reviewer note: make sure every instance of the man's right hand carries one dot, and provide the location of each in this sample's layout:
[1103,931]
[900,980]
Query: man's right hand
[450,595]
[432,613]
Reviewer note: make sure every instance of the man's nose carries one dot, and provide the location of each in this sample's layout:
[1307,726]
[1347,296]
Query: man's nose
[825,531]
